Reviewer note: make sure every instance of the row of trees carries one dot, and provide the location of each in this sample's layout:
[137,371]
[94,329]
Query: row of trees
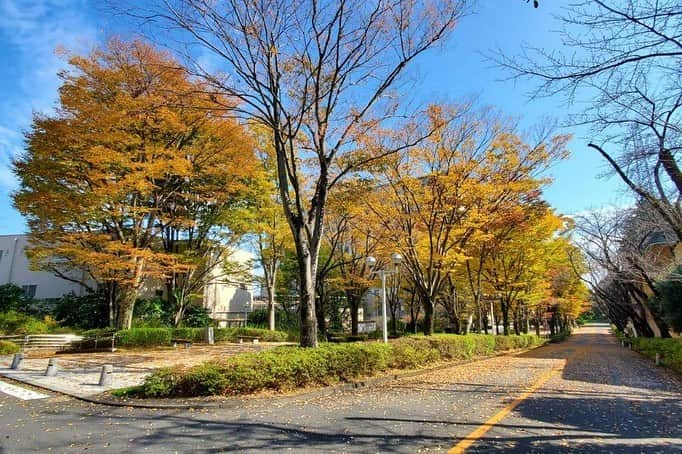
[137,178]
[623,64]
[149,169]
[632,258]
[464,211]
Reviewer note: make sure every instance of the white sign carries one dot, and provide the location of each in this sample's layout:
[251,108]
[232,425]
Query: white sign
[368,326]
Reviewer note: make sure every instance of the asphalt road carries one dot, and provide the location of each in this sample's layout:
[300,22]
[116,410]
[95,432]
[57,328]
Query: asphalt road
[585,395]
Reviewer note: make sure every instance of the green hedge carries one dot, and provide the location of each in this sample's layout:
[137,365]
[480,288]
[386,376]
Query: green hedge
[293,367]
[8,348]
[231,334]
[670,350]
[144,337]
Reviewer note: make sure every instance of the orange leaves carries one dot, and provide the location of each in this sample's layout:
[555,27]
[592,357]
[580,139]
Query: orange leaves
[136,152]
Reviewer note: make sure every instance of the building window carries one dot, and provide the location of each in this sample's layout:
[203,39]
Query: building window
[29,290]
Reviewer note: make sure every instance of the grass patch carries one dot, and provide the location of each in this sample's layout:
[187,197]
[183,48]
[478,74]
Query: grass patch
[129,391]
[287,368]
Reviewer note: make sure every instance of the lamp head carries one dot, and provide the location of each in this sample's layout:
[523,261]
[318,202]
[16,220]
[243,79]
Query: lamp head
[370,261]
[396,258]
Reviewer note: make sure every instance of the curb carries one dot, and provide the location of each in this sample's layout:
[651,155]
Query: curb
[235,402]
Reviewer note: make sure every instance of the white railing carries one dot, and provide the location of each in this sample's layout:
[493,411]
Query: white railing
[43,341]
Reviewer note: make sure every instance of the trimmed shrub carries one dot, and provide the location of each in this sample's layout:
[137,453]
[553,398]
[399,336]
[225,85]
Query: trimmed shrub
[8,348]
[161,383]
[193,334]
[231,334]
[146,337]
[139,337]
[291,367]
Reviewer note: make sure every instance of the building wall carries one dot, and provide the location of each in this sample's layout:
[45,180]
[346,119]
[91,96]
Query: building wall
[227,300]
[223,299]
[15,269]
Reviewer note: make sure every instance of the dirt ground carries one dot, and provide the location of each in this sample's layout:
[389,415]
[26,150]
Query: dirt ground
[155,357]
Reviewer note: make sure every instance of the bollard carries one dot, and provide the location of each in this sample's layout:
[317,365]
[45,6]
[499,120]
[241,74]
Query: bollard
[106,375]
[52,367]
[658,359]
[17,361]
[209,335]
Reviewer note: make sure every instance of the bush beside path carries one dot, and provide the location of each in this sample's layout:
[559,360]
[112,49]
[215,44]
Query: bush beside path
[288,368]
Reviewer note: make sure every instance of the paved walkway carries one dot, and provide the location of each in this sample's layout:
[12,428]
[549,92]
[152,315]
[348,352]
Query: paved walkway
[74,381]
[79,373]
[584,395]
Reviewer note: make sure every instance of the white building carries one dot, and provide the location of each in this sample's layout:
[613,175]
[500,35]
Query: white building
[227,301]
[15,269]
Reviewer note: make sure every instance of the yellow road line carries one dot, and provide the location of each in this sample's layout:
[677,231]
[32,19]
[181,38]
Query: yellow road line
[470,439]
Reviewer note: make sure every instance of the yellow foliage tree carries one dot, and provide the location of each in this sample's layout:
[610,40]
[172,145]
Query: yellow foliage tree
[435,199]
[132,171]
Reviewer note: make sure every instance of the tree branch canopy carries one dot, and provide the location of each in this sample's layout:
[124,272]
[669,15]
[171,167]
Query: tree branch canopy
[318,75]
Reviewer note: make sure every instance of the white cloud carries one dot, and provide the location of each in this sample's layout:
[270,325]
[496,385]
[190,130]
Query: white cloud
[608,210]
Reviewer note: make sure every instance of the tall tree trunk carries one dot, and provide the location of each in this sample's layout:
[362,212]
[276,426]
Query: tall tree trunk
[428,315]
[414,311]
[493,321]
[179,312]
[306,265]
[354,304]
[537,321]
[126,304]
[270,266]
[394,321]
[482,323]
[112,298]
[128,295]
[271,305]
[320,305]
[505,317]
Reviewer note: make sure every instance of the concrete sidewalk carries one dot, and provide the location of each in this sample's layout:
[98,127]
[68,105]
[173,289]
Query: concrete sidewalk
[77,379]
[79,373]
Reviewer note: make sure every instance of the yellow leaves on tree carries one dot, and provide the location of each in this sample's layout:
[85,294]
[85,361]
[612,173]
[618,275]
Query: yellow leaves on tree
[441,203]
[135,153]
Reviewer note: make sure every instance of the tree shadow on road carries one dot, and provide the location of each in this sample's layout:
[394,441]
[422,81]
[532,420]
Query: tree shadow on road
[191,432]
[598,358]
[572,424]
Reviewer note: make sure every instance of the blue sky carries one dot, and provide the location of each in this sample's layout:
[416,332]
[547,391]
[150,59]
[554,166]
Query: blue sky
[32,31]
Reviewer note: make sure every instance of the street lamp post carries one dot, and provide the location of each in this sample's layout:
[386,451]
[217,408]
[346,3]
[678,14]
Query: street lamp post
[371,262]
